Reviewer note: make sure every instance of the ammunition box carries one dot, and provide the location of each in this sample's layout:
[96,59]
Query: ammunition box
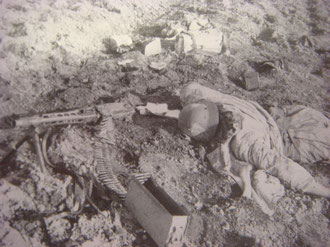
[157,212]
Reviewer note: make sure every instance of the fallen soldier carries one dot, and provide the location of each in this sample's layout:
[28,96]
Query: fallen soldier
[244,130]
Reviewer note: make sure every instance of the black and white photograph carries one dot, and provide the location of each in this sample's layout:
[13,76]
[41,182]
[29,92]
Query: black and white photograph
[164,123]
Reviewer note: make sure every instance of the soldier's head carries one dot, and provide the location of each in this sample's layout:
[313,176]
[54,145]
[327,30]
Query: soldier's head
[199,120]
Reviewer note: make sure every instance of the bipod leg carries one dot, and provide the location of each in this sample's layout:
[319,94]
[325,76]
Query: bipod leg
[39,152]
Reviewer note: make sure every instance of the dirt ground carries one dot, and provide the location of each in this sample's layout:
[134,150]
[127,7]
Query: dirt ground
[59,55]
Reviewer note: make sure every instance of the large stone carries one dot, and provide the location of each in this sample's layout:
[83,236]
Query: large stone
[153,48]
[208,41]
[250,80]
[118,44]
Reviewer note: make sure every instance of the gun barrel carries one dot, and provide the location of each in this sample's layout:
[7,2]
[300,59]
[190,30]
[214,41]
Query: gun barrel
[84,115]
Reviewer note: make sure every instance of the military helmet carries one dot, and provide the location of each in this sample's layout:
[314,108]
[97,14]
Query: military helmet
[199,120]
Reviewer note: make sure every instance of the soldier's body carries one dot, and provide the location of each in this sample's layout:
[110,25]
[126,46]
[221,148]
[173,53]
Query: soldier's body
[254,139]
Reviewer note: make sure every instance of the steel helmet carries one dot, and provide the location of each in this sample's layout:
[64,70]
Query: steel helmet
[199,120]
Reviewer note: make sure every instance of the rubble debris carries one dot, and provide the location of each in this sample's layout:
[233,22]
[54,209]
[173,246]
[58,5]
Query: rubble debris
[153,48]
[184,43]
[158,110]
[158,66]
[269,65]
[208,41]
[157,212]
[194,25]
[118,44]
[58,228]
[268,187]
[169,32]
[125,62]
[133,99]
[128,65]
[203,22]
[243,76]
[225,44]
[267,35]
[199,205]
[154,30]
[250,80]
[306,41]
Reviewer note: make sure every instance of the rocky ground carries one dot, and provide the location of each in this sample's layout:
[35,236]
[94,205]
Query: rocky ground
[65,54]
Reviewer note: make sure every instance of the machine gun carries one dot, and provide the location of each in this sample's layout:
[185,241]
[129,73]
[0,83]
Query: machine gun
[39,122]
[77,116]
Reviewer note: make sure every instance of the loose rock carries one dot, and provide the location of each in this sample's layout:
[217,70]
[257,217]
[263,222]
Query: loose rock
[194,25]
[128,65]
[118,44]
[153,48]
[158,66]
[208,41]
[58,228]
[250,80]
[184,43]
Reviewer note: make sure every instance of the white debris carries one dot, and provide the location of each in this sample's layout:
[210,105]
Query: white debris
[125,62]
[121,43]
[156,109]
[153,48]
[128,65]
[184,43]
[123,40]
[203,22]
[158,66]
[194,25]
[208,41]
[199,205]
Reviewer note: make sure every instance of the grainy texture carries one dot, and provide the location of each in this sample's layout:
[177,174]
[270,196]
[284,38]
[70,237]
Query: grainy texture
[57,55]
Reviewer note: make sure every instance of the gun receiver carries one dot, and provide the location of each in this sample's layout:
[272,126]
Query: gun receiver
[78,116]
